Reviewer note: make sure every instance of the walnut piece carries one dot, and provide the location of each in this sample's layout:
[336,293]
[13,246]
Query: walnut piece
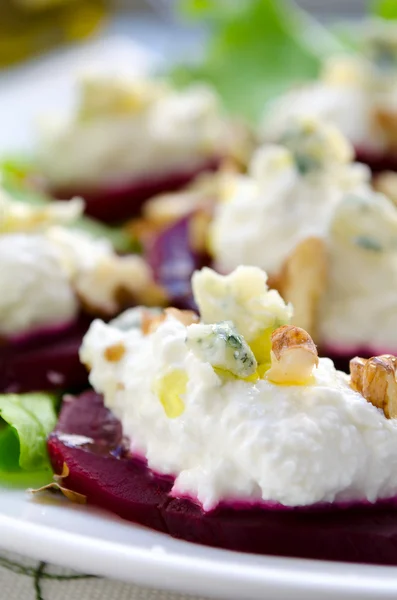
[386,120]
[115,352]
[186,317]
[386,183]
[150,321]
[293,356]
[302,281]
[375,379]
[357,365]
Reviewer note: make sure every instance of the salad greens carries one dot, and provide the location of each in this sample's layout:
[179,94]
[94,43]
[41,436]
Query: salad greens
[387,9]
[257,49]
[25,422]
[15,173]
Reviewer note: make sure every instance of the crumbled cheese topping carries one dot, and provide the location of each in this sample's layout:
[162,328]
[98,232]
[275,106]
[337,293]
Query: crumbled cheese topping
[366,221]
[242,297]
[223,347]
[289,194]
[315,144]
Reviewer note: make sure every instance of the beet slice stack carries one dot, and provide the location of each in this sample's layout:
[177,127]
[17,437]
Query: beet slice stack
[45,361]
[101,469]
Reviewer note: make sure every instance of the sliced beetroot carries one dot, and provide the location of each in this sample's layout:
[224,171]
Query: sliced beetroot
[377,161]
[92,420]
[44,361]
[102,471]
[123,486]
[173,262]
[119,202]
[366,535]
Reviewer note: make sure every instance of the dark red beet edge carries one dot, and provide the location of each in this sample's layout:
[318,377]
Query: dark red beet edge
[103,472]
[377,161]
[118,202]
[44,362]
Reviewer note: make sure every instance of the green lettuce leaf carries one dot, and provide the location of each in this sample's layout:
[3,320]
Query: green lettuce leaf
[256,50]
[25,422]
[15,171]
[387,9]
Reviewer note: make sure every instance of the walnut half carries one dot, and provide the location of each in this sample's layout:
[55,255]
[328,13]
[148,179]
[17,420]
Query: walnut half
[293,356]
[302,281]
[375,379]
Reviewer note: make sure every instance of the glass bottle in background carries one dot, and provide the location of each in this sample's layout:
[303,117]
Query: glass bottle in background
[29,27]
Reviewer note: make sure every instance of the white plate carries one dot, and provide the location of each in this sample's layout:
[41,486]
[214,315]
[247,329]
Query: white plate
[98,543]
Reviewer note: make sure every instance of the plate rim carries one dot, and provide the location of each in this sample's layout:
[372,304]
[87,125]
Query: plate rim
[277,576]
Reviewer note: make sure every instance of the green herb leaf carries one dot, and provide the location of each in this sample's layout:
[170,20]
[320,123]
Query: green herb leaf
[25,422]
[387,9]
[257,49]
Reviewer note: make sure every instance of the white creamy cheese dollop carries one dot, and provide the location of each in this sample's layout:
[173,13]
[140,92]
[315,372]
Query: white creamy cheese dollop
[359,306]
[36,290]
[238,440]
[126,129]
[289,194]
[47,270]
[355,92]
[306,188]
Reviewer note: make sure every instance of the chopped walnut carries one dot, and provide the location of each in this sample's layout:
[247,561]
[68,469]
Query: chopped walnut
[302,281]
[142,230]
[115,283]
[293,356]
[199,227]
[386,120]
[375,379]
[240,142]
[168,208]
[115,352]
[150,321]
[386,183]
[357,365]
[186,317]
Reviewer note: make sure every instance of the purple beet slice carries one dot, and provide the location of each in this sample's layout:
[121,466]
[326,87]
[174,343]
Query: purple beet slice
[44,361]
[124,486]
[173,262]
[119,202]
[102,470]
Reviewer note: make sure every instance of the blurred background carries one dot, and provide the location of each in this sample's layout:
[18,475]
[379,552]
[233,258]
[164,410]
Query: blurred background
[43,43]
[30,27]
